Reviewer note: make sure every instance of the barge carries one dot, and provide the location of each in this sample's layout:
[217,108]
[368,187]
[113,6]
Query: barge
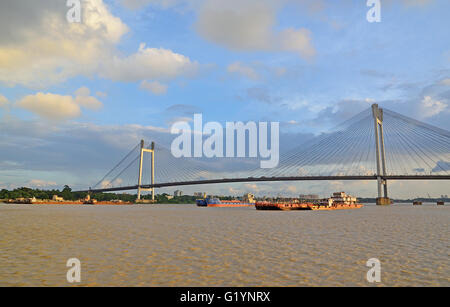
[216,202]
[338,201]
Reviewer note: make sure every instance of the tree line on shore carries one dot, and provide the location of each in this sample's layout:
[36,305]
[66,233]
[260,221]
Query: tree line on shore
[68,194]
[165,198]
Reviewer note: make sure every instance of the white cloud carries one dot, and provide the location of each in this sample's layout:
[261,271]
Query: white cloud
[430,107]
[83,91]
[49,50]
[4,102]
[243,26]
[243,70]
[58,107]
[52,50]
[83,99]
[89,102]
[38,183]
[149,63]
[249,26]
[154,87]
[51,106]
[297,40]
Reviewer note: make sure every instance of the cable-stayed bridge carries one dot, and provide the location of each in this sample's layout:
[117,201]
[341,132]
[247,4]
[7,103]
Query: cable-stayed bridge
[376,144]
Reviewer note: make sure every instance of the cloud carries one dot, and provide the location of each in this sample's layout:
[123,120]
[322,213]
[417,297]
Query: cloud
[101,94]
[50,49]
[47,50]
[297,40]
[154,87]
[37,183]
[243,70]
[261,94]
[250,26]
[445,82]
[183,109]
[58,107]
[417,2]
[137,4]
[51,106]
[430,107]
[83,99]
[4,102]
[149,63]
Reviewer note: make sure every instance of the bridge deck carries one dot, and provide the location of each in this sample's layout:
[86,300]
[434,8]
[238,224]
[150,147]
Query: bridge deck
[271,179]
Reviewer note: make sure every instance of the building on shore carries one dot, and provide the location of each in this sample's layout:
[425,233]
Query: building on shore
[57,198]
[200,194]
[177,193]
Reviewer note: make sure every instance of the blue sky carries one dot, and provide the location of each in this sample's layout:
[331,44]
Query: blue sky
[137,65]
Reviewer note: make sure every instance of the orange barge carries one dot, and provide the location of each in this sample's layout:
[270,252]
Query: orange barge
[339,201]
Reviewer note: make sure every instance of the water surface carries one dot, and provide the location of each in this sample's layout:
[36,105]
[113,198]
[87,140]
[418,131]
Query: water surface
[183,245]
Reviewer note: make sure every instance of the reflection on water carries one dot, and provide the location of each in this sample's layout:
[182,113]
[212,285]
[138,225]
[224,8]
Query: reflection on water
[182,245]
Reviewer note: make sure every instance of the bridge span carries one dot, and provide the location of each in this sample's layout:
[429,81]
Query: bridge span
[271,179]
[376,144]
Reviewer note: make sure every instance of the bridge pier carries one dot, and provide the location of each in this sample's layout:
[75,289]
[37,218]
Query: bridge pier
[139,186]
[382,198]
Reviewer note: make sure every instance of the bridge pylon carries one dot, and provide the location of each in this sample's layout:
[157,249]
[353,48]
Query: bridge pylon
[382,198]
[139,186]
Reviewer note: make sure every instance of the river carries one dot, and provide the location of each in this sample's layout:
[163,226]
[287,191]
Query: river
[183,245]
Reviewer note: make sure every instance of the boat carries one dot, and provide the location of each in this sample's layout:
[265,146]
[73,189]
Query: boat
[216,202]
[338,201]
[282,205]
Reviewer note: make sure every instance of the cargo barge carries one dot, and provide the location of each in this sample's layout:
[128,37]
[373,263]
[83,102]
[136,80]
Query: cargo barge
[215,202]
[338,201]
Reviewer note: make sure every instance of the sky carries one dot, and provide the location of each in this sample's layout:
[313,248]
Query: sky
[75,97]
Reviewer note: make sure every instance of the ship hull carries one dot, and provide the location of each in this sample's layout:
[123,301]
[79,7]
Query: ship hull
[338,207]
[217,203]
[281,206]
[304,207]
[230,205]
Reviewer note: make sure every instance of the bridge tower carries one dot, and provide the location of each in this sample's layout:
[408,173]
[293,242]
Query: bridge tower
[382,198]
[140,188]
